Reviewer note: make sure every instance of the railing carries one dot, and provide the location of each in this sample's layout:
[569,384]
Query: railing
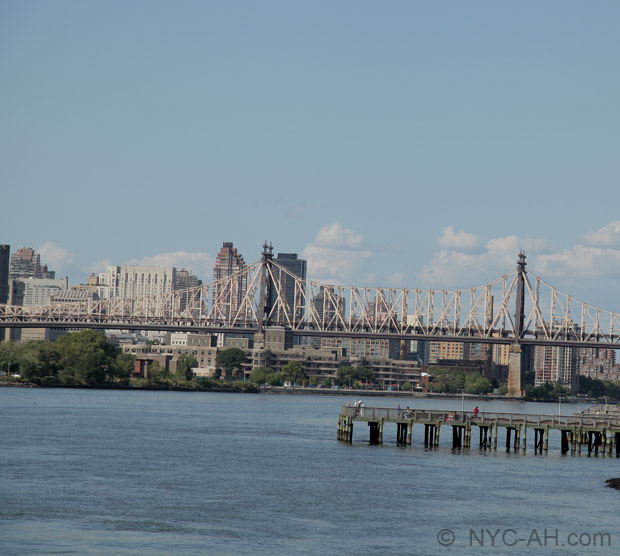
[481,418]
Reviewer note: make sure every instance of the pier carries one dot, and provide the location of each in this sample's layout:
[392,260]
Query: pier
[593,434]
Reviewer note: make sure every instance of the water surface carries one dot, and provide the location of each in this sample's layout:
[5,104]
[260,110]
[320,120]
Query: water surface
[91,472]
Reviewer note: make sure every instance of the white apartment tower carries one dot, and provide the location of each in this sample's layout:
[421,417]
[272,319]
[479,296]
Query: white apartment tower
[136,281]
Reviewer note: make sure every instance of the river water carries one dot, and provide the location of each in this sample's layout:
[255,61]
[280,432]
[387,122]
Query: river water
[94,472]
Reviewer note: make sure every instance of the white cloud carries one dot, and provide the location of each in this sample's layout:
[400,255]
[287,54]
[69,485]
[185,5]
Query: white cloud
[454,268]
[334,255]
[337,236]
[200,264]
[608,236]
[55,257]
[580,261]
[459,240]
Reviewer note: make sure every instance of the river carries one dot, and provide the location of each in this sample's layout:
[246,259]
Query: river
[96,472]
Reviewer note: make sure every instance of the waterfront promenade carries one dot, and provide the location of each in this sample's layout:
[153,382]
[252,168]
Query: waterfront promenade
[591,432]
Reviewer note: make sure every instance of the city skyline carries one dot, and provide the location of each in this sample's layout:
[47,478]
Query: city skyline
[412,146]
[206,264]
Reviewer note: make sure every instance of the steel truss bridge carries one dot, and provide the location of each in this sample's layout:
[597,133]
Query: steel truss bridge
[516,308]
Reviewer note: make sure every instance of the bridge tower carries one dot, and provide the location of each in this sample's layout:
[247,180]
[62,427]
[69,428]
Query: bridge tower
[265,288]
[516,366]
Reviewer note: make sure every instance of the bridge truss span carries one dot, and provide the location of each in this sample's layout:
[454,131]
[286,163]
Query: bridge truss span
[518,307]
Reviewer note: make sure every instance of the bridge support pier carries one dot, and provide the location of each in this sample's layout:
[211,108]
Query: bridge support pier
[516,372]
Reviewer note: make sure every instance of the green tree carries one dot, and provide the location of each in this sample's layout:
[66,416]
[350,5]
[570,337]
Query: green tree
[265,375]
[88,357]
[39,359]
[185,366]
[9,357]
[354,376]
[294,372]
[124,365]
[231,361]
[155,370]
[477,384]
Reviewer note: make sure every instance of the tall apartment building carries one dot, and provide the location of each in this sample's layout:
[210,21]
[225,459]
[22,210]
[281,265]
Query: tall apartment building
[136,281]
[557,364]
[329,304]
[5,256]
[445,350]
[596,362]
[39,291]
[32,292]
[26,263]
[297,267]
[228,297]
[185,280]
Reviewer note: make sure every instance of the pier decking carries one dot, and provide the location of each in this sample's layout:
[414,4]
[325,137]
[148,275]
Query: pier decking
[595,433]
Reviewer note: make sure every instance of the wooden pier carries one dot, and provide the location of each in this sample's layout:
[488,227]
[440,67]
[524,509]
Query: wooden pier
[591,433]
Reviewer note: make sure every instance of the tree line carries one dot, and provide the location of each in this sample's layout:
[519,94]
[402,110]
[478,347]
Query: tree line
[449,381]
[85,357]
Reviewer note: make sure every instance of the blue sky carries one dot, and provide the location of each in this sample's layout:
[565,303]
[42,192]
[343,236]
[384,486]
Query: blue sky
[408,144]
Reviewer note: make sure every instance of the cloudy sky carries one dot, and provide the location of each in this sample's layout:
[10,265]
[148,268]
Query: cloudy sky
[409,144]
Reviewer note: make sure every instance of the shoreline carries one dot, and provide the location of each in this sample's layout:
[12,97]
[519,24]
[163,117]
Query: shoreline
[282,390]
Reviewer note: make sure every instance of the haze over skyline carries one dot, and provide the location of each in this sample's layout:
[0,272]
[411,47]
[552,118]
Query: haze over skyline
[417,145]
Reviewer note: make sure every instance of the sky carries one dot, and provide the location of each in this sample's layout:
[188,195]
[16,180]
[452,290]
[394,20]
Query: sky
[409,144]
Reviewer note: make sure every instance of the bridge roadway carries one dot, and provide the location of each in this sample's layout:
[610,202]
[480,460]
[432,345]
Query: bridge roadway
[595,432]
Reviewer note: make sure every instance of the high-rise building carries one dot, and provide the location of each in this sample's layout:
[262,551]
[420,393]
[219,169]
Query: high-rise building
[228,294]
[297,267]
[5,251]
[39,291]
[329,305]
[185,280]
[32,292]
[557,364]
[136,281]
[5,257]
[26,263]
[596,362]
